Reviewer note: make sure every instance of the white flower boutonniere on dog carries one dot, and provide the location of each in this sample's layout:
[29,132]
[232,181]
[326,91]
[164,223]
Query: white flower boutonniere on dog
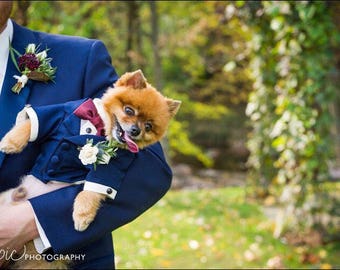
[32,65]
[99,153]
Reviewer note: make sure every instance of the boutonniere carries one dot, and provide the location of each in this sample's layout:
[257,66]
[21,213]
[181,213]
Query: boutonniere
[33,65]
[99,153]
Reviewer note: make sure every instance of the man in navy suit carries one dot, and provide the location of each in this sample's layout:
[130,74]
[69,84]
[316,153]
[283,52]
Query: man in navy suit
[83,70]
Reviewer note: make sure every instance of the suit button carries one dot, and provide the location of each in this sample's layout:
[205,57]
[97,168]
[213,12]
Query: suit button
[109,191]
[65,146]
[88,130]
[54,159]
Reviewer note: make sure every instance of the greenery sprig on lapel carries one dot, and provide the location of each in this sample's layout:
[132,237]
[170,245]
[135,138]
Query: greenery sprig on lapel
[100,153]
[33,65]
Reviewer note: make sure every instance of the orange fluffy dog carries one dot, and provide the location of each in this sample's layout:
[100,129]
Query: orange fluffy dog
[134,115]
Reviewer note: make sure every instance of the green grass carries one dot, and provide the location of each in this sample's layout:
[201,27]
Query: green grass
[208,229]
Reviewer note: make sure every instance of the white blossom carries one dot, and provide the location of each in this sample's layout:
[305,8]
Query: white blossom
[147,234]
[88,154]
[193,244]
[42,55]
[30,48]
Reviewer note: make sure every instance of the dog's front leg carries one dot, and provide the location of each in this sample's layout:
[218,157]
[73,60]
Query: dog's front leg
[17,138]
[85,208]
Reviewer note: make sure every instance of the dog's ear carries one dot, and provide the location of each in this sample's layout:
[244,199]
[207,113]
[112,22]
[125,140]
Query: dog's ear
[134,79]
[173,105]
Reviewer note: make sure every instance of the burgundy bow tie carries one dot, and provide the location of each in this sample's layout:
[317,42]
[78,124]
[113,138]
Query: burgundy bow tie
[88,111]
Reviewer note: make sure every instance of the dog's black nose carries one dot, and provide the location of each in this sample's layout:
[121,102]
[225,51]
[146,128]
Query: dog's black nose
[135,130]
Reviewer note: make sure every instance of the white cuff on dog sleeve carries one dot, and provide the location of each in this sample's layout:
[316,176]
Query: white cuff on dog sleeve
[29,113]
[95,187]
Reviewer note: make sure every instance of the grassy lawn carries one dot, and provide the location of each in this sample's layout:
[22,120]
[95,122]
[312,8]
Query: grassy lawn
[209,229]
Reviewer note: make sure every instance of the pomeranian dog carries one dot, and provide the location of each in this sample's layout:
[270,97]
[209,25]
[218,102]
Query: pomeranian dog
[134,115]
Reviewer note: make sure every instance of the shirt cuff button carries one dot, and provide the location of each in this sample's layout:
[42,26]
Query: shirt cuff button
[109,191]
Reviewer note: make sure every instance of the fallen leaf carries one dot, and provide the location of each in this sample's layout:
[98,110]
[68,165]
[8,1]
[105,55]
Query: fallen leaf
[275,263]
[326,266]
[309,258]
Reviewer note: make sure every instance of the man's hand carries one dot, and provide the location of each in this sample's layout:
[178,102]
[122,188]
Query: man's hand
[17,227]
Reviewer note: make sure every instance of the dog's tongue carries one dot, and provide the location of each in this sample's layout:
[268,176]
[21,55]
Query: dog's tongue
[133,147]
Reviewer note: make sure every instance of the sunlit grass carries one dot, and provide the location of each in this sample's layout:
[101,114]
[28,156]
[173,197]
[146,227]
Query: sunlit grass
[207,229]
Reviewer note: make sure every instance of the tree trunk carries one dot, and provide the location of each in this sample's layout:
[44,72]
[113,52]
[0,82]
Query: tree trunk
[139,43]
[134,50]
[131,27]
[21,12]
[157,65]
[335,9]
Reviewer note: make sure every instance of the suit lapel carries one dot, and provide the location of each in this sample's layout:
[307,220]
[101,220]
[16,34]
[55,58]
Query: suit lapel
[12,103]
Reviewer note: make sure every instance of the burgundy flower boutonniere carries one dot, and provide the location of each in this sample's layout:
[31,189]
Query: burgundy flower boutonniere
[33,65]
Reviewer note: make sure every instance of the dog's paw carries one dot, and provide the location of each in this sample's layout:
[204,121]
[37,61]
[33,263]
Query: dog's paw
[84,211]
[85,208]
[82,220]
[17,138]
[10,146]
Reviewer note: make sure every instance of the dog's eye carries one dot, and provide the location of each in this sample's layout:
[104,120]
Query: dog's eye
[148,127]
[129,111]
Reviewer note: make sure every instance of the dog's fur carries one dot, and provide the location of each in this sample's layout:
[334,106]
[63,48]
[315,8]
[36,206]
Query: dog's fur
[133,103]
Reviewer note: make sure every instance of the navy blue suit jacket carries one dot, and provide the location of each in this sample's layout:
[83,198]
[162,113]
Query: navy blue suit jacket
[60,137]
[83,70]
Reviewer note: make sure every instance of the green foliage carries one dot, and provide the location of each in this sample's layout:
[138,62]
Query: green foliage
[209,229]
[289,108]
[178,130]
[207,65]
[209,59]
[91,19]
[179,141]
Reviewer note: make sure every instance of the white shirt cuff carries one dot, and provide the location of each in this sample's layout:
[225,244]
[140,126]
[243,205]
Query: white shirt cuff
[95,187]
[29,113]
[41,243]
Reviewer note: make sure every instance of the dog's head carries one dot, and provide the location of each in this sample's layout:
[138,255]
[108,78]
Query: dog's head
[138,115]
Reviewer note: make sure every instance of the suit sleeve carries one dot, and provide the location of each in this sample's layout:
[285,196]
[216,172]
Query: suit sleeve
[44,119]
[146,181]
[99,73]
[107,178]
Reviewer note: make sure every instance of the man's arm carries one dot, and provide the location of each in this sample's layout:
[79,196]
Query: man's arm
[146,181]
[99,72]
[17,227]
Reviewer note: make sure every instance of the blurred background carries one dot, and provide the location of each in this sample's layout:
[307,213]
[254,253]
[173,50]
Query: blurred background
[255,148]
